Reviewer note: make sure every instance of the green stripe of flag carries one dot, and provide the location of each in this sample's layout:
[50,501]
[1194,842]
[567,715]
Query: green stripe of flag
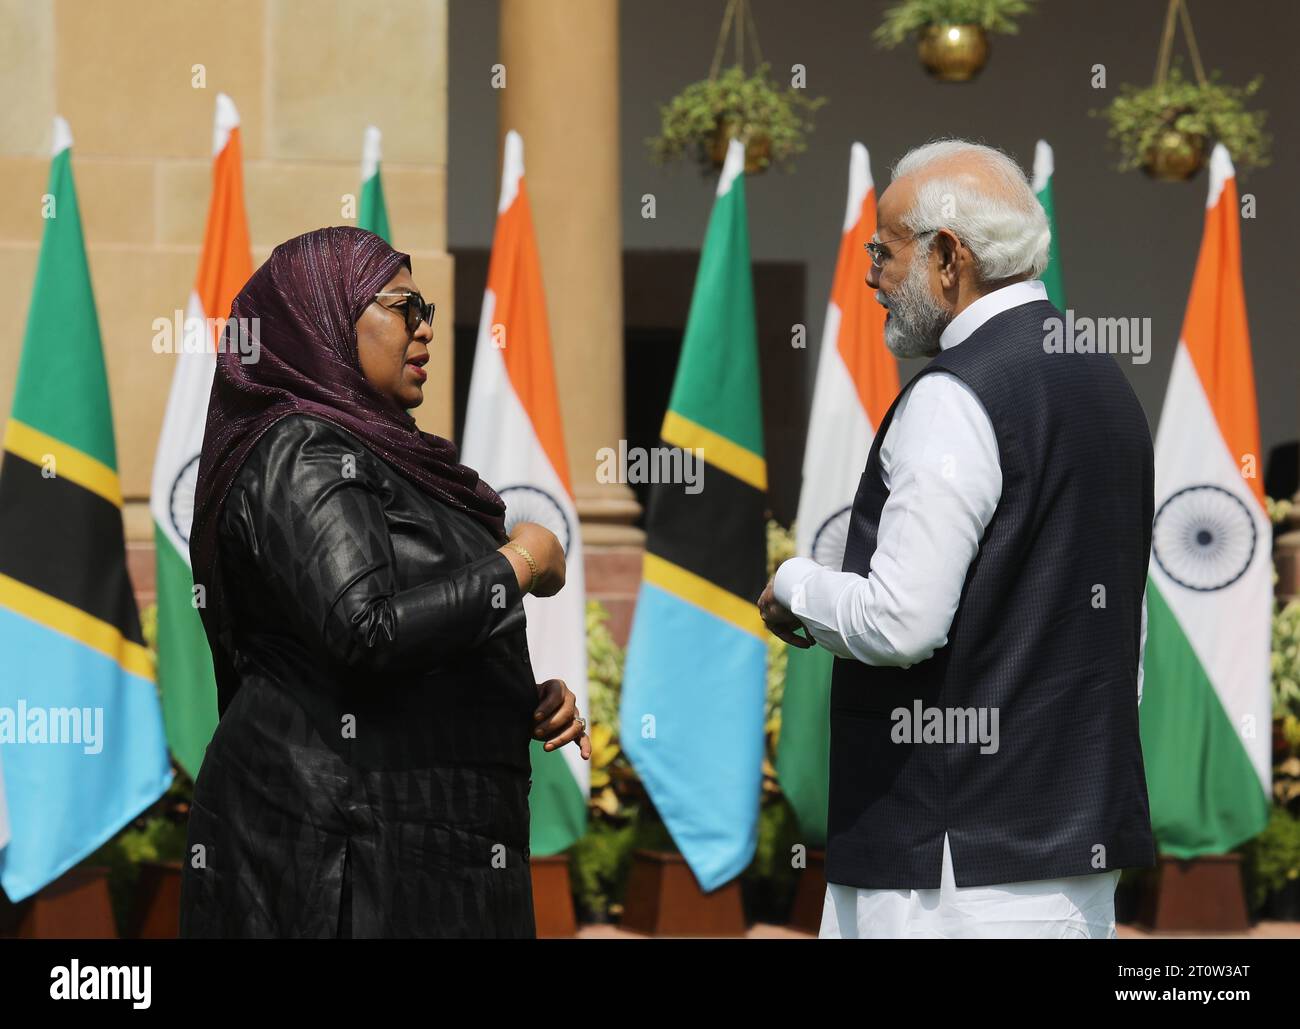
[803,758]
[63,356]
[717,382]
[1044,173]
[1205,793]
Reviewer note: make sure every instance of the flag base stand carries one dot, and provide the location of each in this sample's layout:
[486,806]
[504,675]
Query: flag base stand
[553,897]
[76,906]
[1201,895]
[810,897]
[157,913]
[664,899]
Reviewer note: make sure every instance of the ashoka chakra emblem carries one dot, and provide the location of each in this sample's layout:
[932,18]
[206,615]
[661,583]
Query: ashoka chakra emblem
[830,539]
[181,504]
[530,504]
[1204,538]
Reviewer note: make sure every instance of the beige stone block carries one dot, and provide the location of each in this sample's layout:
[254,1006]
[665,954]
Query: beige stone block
[25,181]
[183,192]
[337,66]
[133,286]
[124,73]
[138,522]
[417,206]
[286,199]
[17,273]
[116,200]
[26,76]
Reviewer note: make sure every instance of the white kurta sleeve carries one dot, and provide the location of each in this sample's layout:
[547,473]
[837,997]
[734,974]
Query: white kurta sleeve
[940,462]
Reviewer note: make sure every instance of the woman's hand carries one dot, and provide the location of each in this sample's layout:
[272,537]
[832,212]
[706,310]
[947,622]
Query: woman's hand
[547,554]
[557,718]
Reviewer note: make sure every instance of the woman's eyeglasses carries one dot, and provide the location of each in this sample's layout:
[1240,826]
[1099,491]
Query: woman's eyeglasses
[414,307]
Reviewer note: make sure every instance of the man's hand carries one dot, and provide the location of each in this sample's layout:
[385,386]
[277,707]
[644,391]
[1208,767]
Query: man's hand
[556,718]
[779,621]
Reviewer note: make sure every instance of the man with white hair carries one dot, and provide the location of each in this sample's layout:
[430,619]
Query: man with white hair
[986,773]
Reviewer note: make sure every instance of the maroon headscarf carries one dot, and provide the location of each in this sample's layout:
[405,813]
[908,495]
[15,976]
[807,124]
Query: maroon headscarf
[307,298]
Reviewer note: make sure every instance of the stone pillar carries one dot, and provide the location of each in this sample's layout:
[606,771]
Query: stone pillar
[561,94]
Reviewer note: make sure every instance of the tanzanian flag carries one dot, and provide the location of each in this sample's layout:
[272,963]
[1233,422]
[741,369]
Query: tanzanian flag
[81,733]
[694,679]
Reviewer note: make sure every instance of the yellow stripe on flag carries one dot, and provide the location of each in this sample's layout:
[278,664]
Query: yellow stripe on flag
[72,464]
[73,622]
[743,614]
[719,451]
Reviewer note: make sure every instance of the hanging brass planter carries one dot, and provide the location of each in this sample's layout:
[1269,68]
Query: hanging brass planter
[953,53]
[1175,156]
[758,146]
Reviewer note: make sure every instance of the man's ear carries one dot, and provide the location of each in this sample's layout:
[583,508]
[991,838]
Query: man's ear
[948,249]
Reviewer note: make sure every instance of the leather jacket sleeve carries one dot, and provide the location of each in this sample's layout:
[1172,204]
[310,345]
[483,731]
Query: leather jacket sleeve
[311,518]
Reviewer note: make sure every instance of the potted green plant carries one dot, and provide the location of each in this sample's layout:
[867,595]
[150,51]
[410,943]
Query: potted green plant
[143,864]
[951,35]
[599,861]
[1272,867]
[1167,128]
[700,121]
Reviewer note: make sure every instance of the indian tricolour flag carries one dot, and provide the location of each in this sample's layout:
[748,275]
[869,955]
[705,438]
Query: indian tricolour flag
[185,674]
[514,439]
[372,211]
[1206,727]
[857,380]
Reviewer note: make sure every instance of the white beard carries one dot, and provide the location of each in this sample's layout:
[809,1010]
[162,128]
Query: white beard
[916,320]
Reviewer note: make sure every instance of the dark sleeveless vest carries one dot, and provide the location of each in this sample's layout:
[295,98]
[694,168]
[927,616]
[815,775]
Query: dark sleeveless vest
[1046,633]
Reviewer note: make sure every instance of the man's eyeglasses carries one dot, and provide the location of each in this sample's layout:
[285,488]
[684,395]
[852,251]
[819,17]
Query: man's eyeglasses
[879,255]
[413,307]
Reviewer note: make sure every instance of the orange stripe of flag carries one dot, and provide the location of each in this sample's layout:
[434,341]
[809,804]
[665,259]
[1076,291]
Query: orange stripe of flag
[226,262]
[515,278]
[1217,336]
[862,320]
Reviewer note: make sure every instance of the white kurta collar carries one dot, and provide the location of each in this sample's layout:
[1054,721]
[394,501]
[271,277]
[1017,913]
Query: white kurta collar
[987,306]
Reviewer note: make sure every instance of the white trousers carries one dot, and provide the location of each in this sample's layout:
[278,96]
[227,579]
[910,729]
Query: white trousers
[1080,907]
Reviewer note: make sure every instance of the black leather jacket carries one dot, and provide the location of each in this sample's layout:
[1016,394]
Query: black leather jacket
[370,772]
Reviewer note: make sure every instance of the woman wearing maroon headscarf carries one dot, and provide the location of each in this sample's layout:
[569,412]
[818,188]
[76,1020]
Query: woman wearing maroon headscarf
[370,772]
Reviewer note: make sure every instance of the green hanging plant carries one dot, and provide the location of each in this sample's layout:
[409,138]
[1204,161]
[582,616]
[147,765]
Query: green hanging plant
[700,121]
[1167,128]
[911,16]
[1146,121]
